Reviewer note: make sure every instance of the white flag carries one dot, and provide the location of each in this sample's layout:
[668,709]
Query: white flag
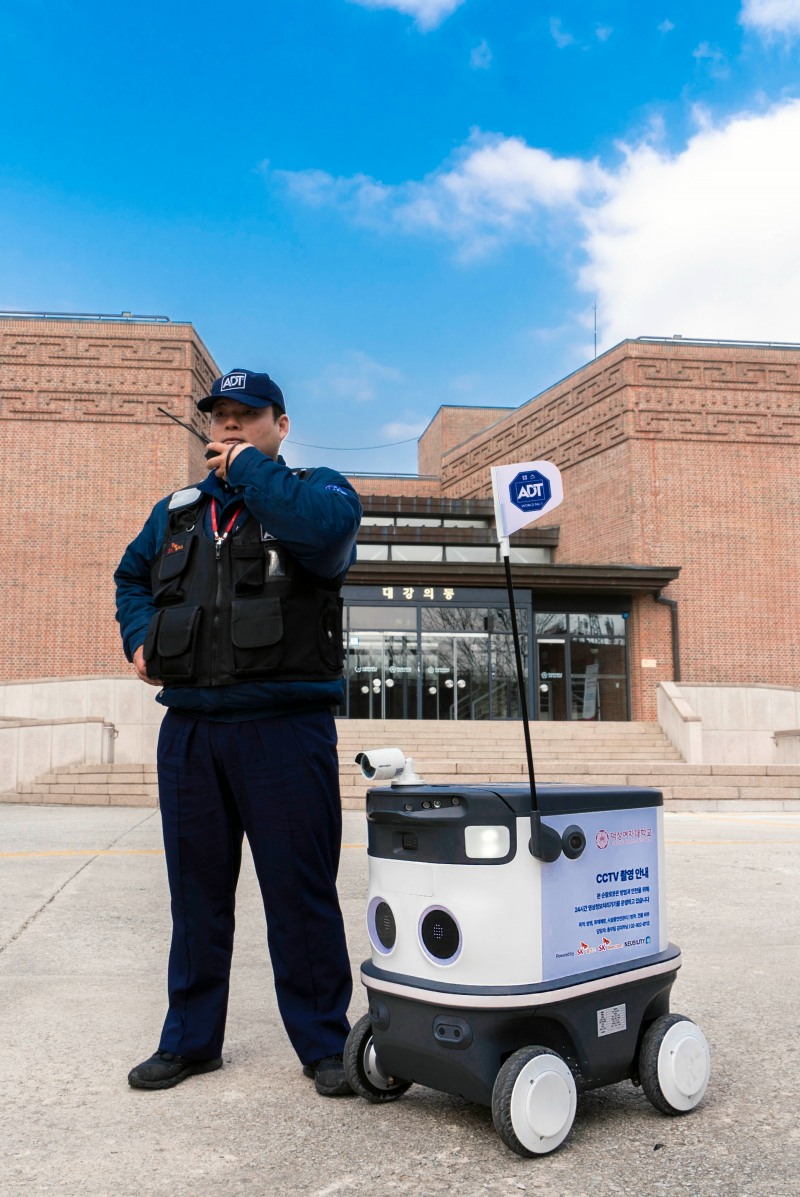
[523,493]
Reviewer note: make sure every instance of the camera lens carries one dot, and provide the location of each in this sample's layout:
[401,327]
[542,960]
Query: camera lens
[573,842]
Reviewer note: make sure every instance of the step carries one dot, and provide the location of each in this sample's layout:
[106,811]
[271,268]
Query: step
[481,753]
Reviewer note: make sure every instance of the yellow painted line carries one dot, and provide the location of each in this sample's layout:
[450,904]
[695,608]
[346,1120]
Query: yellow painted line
[715,814]
[160,851]
[85,852]
[713,843]
[102,852]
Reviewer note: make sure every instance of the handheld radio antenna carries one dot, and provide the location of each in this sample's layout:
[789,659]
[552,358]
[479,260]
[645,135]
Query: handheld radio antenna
[188,427]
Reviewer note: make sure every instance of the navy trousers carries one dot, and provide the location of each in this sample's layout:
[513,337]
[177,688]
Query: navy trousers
[277,781]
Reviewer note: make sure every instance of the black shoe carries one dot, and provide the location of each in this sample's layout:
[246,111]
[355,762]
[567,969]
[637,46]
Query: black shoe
[329,1078]
[165,1069]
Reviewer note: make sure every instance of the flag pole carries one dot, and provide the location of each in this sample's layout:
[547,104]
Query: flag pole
[545,842]
[523,697]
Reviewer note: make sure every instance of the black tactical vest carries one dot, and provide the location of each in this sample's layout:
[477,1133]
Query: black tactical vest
[246,611]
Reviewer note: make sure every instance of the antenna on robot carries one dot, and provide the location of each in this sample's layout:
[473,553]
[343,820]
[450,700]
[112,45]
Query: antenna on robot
[523,493]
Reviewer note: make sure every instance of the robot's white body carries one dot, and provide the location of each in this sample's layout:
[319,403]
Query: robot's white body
[499,976]
[522,921]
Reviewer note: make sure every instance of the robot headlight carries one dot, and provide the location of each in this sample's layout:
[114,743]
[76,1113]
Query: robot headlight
[487,843]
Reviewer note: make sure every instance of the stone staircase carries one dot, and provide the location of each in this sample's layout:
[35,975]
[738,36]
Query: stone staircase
[581,753]
[478,753]
[92,785]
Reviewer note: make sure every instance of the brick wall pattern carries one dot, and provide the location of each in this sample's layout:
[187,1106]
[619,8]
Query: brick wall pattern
[676,454]
[87,455]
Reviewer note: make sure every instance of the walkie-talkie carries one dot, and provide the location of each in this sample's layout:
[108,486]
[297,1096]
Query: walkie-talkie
[189,428]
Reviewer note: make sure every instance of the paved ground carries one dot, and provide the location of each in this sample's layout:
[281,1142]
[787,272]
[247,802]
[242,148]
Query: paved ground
[83,939]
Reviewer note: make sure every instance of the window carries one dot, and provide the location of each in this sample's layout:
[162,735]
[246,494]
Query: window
[550,624]
[475,522]
[417,552]
[373,552]
[471,552]
[530,556]
[387,617]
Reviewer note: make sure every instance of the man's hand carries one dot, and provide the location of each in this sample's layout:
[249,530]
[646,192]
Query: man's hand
[219,456]
[141,668]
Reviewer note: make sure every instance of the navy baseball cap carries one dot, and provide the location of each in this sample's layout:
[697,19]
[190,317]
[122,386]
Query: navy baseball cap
[245,386]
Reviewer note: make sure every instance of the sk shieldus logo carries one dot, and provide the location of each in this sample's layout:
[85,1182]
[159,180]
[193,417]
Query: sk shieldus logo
[233,382]
[607,946]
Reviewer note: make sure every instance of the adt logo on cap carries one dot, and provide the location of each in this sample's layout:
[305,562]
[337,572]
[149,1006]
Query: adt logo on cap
[233,382]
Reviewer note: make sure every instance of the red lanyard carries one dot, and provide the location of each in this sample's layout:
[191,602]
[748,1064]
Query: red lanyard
[220,540]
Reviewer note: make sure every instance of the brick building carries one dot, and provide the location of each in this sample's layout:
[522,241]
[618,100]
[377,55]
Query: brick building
[677,551]
[673,556]
[78,399]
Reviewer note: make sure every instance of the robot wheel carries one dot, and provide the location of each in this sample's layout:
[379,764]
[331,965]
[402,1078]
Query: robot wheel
[362,1067]
[533,1101]
[674,1064]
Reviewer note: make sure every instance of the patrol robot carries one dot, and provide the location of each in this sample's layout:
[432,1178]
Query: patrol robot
[519,956]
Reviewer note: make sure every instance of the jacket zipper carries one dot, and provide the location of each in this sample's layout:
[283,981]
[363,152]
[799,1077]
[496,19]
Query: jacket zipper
[217,610]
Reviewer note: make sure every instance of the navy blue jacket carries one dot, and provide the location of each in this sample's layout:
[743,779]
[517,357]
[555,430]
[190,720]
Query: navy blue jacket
[316,519]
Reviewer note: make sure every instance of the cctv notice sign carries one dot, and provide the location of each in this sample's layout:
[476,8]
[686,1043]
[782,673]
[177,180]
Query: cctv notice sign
[523,493]
[603,908]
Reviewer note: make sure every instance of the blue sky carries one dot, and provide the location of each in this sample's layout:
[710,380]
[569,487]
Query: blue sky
[394,204]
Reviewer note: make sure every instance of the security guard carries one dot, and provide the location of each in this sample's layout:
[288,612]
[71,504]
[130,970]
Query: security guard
[229,599]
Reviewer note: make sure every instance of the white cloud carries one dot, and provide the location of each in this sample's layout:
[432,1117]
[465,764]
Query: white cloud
[603,32]
[427,13]
[493,189]
[481,57]
[772,17]
[357,377]
[666,26]
[559,34]
[400,430]
[706,242]
[714,57]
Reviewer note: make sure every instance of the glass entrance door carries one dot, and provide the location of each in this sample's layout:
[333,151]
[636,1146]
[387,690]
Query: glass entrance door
[382,675]
[455,675]
[551,698]
[433,662]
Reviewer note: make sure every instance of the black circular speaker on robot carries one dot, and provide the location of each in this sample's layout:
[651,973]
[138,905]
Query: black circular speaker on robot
[385,926]
[381,925]
[440,935]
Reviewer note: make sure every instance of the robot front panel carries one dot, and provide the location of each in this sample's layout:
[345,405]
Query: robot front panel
[476,924]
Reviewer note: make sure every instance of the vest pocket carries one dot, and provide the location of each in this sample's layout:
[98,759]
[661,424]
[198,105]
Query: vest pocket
[248,568]
[329,634]
[175,557]
[170,648]
[257,634]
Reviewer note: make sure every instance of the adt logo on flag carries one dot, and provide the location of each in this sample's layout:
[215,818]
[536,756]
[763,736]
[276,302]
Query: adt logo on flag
[530,491]
[522,493]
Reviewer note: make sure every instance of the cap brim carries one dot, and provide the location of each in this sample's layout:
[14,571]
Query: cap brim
[208,402]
